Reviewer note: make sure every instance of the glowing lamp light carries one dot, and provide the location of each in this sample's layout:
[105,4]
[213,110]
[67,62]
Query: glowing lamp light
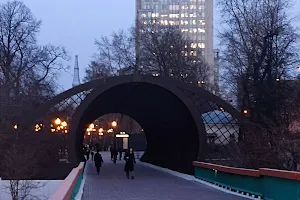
[245,112]
[89,133]
[114,124]
[57,121]
[92,126]
[100,133]
[110,130]
[100,130]
[15,126]
[64,124]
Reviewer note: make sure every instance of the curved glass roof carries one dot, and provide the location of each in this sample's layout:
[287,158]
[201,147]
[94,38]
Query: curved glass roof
[218,117]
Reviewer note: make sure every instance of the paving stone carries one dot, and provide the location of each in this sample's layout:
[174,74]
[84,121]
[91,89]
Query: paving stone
[149,184]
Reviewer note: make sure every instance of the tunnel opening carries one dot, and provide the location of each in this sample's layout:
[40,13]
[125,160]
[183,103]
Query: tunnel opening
[170,128]
[100,134]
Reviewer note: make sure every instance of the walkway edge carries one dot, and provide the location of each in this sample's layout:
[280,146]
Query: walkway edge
[80,191]
[192,178]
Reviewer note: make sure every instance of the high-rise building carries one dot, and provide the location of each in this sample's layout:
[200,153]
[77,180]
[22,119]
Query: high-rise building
[193,17]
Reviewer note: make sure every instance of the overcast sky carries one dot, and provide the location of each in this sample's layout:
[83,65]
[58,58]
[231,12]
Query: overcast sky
[75,24]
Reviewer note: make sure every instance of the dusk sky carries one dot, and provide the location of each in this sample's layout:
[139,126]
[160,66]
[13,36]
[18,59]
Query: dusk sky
[76,24]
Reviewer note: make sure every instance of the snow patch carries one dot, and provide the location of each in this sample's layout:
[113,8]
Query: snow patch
[49,187]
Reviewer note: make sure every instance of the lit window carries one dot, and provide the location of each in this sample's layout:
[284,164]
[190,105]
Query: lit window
[201,45]
[193,7]
[194,45]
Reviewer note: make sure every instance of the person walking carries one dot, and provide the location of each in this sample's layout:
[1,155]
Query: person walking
[112,151]
[120,153]
[98,161]
[115,155]
[92,153]
[129,163]
[87,153]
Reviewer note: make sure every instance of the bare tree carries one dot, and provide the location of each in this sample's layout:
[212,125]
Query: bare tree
[164,50]
[17,165]
[97,70]
[260,52]
[161,50]
[26,68]
[115,53]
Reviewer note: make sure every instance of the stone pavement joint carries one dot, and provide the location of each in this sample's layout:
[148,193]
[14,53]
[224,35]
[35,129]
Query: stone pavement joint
[149,184]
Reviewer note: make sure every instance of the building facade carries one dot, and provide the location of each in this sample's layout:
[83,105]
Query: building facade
[193,17]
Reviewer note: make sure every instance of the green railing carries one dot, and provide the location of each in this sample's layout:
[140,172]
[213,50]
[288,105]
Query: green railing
[268,184]
[69,187]
[77,186]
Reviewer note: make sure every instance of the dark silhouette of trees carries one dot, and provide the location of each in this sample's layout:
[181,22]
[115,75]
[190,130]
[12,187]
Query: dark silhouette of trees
[155,50]
[28,72]
[261,53]
[27,69]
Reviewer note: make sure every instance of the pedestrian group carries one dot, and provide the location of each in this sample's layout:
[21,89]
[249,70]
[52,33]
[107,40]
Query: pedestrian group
[129,158]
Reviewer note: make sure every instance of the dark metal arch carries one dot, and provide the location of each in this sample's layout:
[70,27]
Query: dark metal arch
[77,117]
[121,79]
[101,85]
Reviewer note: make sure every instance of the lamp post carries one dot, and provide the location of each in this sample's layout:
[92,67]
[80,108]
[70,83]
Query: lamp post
[61,128]
[114,125]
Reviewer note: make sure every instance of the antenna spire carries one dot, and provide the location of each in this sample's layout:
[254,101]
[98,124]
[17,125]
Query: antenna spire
[76,79]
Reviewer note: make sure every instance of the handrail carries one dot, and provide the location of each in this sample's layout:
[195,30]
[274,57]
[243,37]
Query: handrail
[232,170]
[65,189]
[251,172]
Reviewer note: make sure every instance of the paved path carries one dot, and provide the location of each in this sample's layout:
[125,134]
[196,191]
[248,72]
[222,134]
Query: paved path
[149,184]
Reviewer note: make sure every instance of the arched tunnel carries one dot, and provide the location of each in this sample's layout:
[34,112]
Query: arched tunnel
[175,134]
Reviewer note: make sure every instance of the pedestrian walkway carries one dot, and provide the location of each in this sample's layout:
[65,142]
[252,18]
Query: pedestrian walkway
[149,184]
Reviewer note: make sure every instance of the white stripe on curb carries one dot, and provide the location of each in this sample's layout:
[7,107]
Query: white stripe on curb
[80,191]
[192,178]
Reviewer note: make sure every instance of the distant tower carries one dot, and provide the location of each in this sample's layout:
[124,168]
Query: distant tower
[76,79]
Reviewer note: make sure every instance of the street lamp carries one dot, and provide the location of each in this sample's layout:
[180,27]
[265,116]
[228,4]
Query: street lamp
[57,121]
[60,126]
[114,125]
[92,126]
